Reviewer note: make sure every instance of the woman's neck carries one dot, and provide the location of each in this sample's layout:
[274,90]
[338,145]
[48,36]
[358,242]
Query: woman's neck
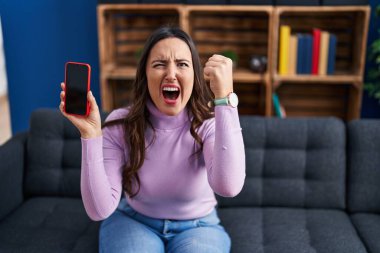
[162,121]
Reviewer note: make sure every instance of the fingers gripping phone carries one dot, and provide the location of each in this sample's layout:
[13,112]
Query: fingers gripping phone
[77,85]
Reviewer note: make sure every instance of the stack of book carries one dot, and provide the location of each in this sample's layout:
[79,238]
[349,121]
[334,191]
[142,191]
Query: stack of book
[303,53]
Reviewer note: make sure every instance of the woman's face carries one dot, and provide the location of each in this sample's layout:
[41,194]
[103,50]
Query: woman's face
[170,75]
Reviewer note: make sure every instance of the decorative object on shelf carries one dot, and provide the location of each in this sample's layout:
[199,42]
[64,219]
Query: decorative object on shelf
[232,55]
[258,64]
[373,77]
[278,108]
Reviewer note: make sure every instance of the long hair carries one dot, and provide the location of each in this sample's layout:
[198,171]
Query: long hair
[137,120]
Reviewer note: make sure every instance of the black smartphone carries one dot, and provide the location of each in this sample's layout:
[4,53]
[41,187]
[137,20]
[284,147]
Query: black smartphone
[77,85]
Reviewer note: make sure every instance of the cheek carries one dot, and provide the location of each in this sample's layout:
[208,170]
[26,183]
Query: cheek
[153,85]
[189,83]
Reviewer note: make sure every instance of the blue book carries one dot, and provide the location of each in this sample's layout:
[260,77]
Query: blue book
[308,53]
[300,54]
[331,55]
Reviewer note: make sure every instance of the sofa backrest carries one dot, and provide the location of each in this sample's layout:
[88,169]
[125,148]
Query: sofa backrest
[295,162]
[364,166]
[53,156]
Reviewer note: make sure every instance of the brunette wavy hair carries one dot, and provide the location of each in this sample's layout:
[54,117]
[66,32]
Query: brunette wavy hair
[137,120]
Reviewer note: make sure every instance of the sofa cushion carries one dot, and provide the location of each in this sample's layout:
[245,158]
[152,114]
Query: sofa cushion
[11,173]
[364,166]
[289,230]
[368,226]
[53,155]
[49,225]
[295,162]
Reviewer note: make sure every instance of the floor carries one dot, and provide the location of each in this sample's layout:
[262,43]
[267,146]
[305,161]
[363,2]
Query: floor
[5,122]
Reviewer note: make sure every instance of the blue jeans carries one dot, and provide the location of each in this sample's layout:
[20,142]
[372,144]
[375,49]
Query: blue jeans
[127,231]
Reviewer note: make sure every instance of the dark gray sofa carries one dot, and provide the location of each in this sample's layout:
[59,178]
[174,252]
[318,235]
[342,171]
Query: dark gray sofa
[313,185]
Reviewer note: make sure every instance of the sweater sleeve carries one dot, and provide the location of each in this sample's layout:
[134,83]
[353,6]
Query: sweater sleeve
[102,162]
[224,153]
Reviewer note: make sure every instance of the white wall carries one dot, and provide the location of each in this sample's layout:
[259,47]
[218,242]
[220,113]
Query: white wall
[3,73]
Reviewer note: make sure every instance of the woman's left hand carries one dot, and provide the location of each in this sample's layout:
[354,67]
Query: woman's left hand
[218,70]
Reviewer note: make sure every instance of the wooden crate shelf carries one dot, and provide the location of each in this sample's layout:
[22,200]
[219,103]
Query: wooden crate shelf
[248,31]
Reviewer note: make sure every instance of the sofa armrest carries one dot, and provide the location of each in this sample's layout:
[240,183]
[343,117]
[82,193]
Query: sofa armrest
[12,157]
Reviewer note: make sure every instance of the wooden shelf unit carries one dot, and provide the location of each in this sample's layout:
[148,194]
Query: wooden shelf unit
[308,95]
[249,31]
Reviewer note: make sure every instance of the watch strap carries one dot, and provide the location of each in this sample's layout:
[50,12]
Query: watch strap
[221,101]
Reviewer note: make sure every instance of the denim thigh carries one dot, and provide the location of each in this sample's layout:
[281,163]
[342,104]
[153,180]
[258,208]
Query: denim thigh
[129,231]
[120,233]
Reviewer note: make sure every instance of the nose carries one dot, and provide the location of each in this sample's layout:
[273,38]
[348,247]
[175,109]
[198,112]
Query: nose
[171,73]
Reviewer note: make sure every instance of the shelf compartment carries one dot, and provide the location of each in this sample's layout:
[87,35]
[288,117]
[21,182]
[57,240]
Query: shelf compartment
[124,29]
[251,98]
[244,31]
[349,24]
[319,99]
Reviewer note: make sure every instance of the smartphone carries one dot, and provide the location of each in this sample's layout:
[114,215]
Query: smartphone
[77,85]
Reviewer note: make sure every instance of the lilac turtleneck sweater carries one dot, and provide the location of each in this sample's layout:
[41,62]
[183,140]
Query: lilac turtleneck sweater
[174,184]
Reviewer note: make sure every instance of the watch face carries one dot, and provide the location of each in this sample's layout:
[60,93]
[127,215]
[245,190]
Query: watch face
[233,99]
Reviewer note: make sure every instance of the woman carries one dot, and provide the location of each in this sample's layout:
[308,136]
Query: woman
[166,152]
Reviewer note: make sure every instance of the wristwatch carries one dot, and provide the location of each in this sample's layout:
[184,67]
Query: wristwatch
[231,100]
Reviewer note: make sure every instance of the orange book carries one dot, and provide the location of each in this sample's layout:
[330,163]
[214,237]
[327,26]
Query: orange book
[293,54]
[323,53]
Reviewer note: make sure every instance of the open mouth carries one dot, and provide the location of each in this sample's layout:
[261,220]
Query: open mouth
[170,93]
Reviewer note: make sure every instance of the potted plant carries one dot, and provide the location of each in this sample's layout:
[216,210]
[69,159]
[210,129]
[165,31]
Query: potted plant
[232,55]
[373,78]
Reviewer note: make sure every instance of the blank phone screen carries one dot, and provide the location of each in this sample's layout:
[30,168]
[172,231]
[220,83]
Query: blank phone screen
[76,88]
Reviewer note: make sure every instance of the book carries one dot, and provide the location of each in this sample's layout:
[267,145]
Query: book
[331,55]
[284,50]
[293,54]
[278,109]
[308,53]
[301,48]
[323,53]
[316,47]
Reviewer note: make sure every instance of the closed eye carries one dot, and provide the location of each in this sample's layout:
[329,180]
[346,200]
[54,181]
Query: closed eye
[158,65]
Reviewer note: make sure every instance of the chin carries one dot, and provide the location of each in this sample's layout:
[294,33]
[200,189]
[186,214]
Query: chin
[171,111]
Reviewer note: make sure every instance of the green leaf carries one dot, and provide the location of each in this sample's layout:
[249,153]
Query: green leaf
[375,46]
[377,95]
[373,74]
[378,10]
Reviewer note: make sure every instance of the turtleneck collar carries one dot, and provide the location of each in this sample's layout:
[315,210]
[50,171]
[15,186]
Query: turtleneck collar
[162,121]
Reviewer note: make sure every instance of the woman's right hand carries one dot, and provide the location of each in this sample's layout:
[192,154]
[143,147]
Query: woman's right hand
[90,126]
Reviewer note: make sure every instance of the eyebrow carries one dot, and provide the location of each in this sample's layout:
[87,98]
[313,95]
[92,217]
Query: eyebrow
[164,61]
